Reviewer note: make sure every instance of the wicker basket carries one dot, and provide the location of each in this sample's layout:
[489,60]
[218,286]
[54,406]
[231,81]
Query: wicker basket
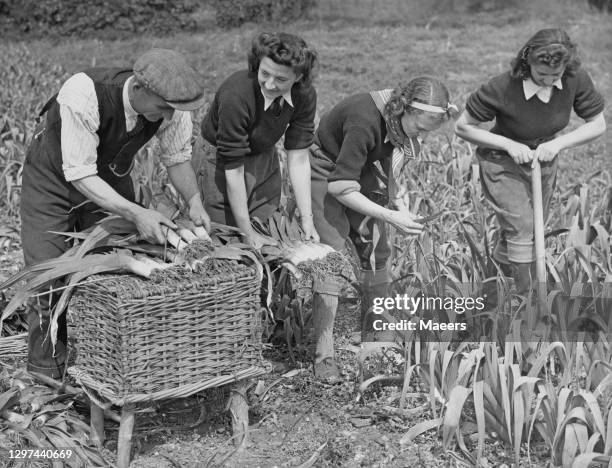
[136,337]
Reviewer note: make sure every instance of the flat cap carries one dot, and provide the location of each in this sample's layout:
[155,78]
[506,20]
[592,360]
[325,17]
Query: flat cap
[166,73]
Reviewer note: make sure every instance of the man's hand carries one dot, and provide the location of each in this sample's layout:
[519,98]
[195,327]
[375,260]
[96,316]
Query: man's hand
[521,153]
[404,221]
[309,228]
[152,225]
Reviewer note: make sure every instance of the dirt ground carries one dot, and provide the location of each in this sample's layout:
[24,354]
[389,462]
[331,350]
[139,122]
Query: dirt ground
[295,420]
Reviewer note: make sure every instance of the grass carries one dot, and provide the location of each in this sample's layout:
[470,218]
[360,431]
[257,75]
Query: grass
[508,386]
[463,50]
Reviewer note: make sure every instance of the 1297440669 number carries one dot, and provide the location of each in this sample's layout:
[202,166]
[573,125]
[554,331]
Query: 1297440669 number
[47,454]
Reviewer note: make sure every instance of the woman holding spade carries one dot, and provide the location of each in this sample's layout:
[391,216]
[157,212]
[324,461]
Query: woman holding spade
[530,104]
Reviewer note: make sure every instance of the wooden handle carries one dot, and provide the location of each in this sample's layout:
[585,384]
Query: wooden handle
[538,222]
[538,234]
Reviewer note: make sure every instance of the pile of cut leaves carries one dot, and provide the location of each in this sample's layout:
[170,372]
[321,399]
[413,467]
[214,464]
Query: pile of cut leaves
[35,415]
[306,260]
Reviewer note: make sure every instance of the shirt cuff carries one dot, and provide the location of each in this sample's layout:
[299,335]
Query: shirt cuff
[299,146]
[78,172]
[176,158]
[232,163]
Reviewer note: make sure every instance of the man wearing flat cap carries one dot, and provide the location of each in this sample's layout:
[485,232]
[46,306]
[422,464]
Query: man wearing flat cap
[80,160]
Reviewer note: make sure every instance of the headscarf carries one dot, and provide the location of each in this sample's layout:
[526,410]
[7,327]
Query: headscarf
[405,148]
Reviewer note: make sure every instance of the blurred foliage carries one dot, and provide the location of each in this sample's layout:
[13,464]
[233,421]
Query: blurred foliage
[601,5]
[232,13]
[27,81]
[490,5]
[81,18]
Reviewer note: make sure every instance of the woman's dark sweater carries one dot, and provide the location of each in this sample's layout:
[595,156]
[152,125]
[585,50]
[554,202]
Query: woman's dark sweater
[532,121]
[238,126]
[353,135]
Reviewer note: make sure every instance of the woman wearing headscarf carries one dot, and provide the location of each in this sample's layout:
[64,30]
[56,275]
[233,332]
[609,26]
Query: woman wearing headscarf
[360,136]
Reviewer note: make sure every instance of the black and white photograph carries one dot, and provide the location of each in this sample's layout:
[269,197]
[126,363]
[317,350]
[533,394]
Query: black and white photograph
[305,233]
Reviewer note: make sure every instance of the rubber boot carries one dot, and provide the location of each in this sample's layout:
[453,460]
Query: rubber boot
[375,287]
[43,357]
[324,308]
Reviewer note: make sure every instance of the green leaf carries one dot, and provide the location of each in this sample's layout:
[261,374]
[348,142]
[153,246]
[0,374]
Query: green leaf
[593,441]
[543,357]
[293,230]
[33,270]
[593,406]
[102,230]
[545,430]
[446,359]
[9,398]
[454,407]
[375,239]
[504,398]
[584,460]
[608,447]
[578,414]
[93,264]
[519,420]
[418,429]
[380,377]
[480,416]
[576,439]
[408,371]
[433,352]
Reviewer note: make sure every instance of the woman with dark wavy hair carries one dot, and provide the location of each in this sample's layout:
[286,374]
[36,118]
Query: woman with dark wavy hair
[239,172]
[531,104]
[363,143]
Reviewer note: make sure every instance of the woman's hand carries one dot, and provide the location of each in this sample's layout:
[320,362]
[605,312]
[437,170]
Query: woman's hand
[547,151]
[521,153]
[404,221]
[189,231]
[309,228]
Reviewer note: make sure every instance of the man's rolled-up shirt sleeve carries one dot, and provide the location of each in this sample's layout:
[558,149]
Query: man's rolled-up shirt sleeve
[175,139]
[80,122]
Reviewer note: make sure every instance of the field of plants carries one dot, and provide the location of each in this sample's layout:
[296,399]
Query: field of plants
[519,389]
